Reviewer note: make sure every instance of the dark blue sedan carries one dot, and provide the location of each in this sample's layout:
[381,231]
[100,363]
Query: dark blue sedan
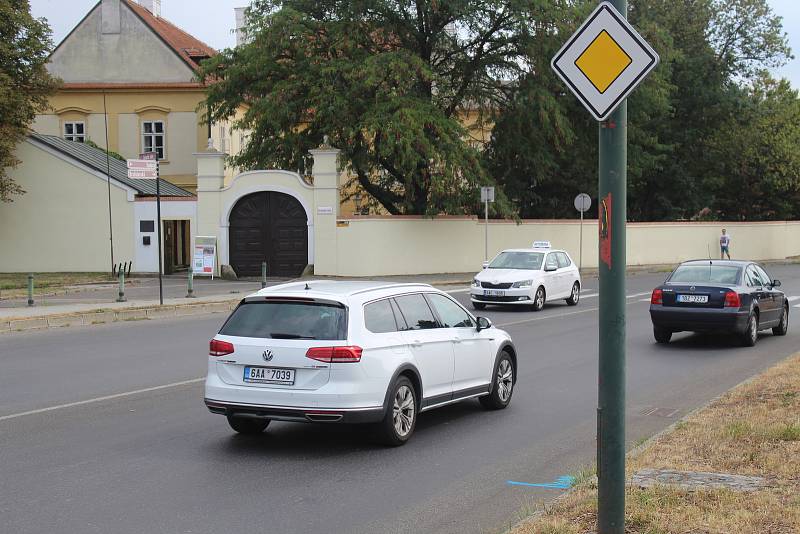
[719,295]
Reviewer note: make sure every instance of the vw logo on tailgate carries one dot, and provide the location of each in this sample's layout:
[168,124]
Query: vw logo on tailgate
[267,355]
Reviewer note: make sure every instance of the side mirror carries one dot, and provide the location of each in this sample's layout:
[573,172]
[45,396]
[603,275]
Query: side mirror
[483,323]
[549,269]
[485,265]
[776,283]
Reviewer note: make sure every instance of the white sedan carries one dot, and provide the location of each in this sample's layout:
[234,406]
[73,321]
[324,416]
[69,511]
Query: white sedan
[527,277]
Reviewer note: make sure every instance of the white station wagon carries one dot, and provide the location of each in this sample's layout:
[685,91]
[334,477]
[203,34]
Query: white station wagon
[527,277]
[354,352]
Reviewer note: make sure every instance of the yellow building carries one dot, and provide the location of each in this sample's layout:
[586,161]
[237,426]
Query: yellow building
[129,84]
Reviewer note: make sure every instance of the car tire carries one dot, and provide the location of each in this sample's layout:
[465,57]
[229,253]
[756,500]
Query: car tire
[400,418]
[539,298]
[662,335]
[478,305]
[783,326]
[248,425]
[750,335]
[575,295]
[503,379]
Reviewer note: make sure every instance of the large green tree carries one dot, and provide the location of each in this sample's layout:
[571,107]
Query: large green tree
[24,82]
[543,150]
[387,81]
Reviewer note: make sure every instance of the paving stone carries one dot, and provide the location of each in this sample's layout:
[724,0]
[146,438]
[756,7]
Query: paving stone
[694,480]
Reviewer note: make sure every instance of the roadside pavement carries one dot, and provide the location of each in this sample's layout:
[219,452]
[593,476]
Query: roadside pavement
[97,304]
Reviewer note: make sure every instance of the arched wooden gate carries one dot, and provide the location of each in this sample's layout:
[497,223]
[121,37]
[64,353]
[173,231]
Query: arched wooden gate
[272,227]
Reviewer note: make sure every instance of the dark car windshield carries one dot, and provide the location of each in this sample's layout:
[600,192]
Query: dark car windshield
[518,260]
[287,320]
[714,274]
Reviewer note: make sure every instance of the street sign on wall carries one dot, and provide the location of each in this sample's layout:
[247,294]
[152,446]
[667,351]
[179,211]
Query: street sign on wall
[604,60]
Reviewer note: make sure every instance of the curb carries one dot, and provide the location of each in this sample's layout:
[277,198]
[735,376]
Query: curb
[103,316]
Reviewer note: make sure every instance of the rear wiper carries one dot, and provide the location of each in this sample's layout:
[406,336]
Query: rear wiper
[277,335]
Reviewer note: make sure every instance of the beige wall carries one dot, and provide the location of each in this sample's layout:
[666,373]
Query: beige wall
[61,223]
[391,246]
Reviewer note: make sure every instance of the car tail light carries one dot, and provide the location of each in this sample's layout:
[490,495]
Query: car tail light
[732,300]
[219,348]
[349,354]
[656,297]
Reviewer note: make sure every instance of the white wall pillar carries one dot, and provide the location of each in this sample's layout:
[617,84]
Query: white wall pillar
[326,208]
[210,181]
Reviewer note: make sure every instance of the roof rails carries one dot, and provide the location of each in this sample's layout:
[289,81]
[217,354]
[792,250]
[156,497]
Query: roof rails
[390,286]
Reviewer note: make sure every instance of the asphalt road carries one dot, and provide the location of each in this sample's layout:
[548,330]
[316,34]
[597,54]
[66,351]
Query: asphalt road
[148,457]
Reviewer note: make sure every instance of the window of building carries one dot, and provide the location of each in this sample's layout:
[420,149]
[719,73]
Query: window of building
[153,137]
[75,131]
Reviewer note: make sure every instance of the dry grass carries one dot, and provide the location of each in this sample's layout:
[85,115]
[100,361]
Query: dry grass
[752,430]
[16,284]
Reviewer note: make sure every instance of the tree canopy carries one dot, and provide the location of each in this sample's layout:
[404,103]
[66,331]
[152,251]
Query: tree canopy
[397,85]
[25,84]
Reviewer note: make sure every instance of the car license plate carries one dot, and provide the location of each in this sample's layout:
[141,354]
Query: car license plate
[494,293]
[269,375]
[694,299]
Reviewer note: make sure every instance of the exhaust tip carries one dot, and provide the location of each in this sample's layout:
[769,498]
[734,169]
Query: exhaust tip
[323,417]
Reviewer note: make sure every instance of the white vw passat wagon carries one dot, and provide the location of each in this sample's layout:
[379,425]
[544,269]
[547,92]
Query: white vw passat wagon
[354,352]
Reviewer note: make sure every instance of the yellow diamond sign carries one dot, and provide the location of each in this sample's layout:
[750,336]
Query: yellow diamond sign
[604,60]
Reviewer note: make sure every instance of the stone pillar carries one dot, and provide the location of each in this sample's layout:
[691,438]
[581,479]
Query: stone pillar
[210,181]
[326,208]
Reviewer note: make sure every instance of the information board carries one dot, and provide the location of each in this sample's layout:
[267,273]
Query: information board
[204,257]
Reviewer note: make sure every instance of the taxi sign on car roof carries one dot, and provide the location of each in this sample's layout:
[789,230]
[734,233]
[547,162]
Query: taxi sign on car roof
[604,60]
[541,244]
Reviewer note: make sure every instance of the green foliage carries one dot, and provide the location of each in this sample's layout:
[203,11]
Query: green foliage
[387,81]
[111,153]
[706,130]
[24,82]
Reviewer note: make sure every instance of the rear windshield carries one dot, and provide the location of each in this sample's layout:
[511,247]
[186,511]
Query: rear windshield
[518,260]
[715,274]
[287,320]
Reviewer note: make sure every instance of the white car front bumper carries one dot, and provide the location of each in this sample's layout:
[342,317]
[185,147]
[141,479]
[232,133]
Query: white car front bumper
[521,295]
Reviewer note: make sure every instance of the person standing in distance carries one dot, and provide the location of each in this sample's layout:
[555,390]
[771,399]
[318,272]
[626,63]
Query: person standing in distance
[724,245]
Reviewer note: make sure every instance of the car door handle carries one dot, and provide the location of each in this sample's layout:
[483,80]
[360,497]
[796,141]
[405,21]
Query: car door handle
[456,339]
[416,343]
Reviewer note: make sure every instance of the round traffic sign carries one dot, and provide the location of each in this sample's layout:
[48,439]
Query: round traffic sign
[583,202]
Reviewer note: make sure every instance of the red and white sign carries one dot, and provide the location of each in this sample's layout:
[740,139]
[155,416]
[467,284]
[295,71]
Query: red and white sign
[142,164]
[148,156]
[143,174]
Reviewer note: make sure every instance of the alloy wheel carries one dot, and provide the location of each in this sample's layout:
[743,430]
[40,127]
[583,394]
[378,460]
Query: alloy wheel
[539,298]
[575,293]
[403,411]
[505,380]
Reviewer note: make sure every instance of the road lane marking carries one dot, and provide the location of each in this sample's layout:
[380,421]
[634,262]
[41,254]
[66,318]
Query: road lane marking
[458,291]
[797,305]
[644,300]
[590,295]
[563,482]
[533,319]
[792,299]
[101,399]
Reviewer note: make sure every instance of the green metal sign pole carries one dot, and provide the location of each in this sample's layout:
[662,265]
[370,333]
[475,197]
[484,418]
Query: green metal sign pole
[613,138]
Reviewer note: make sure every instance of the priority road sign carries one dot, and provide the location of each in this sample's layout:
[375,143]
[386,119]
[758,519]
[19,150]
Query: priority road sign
[604,60]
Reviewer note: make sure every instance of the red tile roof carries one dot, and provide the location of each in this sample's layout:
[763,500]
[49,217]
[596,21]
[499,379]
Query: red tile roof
[189,48]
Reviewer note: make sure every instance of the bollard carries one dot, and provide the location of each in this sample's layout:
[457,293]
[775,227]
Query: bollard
[263,274]
[30,290]
[190,292]
[121,297]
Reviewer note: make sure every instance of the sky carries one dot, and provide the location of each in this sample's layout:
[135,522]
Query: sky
[212,21]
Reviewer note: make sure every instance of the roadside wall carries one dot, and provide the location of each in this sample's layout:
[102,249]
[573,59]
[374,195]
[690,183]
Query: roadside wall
[374,246]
